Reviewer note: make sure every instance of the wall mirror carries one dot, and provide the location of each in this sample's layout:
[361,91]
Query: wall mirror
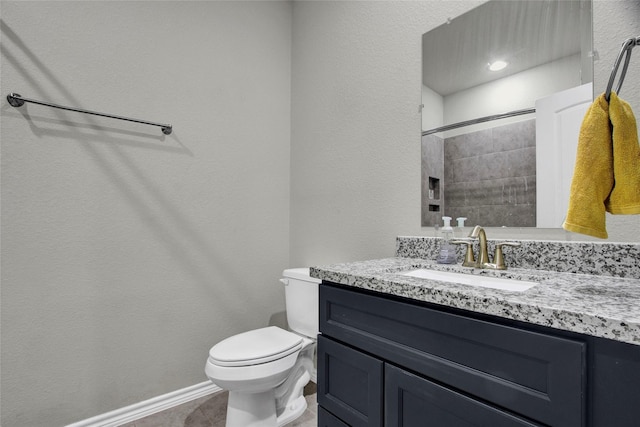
[483,166]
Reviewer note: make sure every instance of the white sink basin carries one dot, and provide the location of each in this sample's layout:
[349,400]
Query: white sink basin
[513,285]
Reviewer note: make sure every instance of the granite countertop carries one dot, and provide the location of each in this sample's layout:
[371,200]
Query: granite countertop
[598,305]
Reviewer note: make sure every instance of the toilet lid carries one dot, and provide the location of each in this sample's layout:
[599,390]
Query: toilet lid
[255,347]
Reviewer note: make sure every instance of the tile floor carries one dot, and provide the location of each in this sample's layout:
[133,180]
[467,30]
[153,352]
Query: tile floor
[210,411]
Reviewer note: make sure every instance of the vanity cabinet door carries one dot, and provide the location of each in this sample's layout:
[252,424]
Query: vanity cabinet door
[412,401]
[326,419]
[615,384]
[350,384]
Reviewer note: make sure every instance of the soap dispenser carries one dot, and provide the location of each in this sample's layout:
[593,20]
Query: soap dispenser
[447,249]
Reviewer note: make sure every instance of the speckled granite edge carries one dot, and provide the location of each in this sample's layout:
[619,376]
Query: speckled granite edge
[596,305]
[608,259]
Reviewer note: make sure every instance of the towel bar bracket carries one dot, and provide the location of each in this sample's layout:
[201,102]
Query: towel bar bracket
[14,100]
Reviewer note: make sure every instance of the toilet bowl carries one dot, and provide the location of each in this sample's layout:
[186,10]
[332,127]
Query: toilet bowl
[265,370]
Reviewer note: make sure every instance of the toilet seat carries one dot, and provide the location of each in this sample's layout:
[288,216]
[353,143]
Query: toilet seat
[255,347]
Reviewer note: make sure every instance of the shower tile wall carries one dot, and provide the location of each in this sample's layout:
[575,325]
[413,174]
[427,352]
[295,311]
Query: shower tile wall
[490,175]
[432,180]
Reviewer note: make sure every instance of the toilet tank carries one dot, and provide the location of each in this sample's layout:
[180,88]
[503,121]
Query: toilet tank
[301,300]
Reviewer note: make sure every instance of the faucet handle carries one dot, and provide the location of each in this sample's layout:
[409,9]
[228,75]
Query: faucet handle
[469,258]
[498,257]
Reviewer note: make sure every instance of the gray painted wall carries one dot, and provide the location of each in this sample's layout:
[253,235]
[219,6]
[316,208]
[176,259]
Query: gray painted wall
[355,152]
[356,124]
[126,255]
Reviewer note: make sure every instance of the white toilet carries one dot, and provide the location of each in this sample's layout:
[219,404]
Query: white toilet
[265,370]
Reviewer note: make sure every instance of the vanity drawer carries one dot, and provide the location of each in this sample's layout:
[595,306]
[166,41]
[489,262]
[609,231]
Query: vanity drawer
[411,401]
[535,375]
[350,384]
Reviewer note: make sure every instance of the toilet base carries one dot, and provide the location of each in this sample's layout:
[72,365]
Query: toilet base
[293,411]
[259,410]
[251,409]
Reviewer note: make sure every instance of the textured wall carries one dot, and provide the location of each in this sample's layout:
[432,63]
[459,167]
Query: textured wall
[356,124]
[615,21]
[126,254]
[355,155]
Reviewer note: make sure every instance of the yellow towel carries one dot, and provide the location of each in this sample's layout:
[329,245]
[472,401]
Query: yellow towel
[625,196]
[593,174]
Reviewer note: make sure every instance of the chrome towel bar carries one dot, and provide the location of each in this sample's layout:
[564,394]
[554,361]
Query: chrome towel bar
[16,100]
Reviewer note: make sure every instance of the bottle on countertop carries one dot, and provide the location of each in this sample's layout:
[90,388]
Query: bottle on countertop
[459,231]
[447,249]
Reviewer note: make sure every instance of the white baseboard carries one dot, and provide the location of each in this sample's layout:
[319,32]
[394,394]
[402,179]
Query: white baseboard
[149,407]
[152,406]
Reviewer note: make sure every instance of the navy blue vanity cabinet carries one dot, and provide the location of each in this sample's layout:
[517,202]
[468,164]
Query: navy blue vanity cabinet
[326,419]
[423,366]
[415,401]
[350,384]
